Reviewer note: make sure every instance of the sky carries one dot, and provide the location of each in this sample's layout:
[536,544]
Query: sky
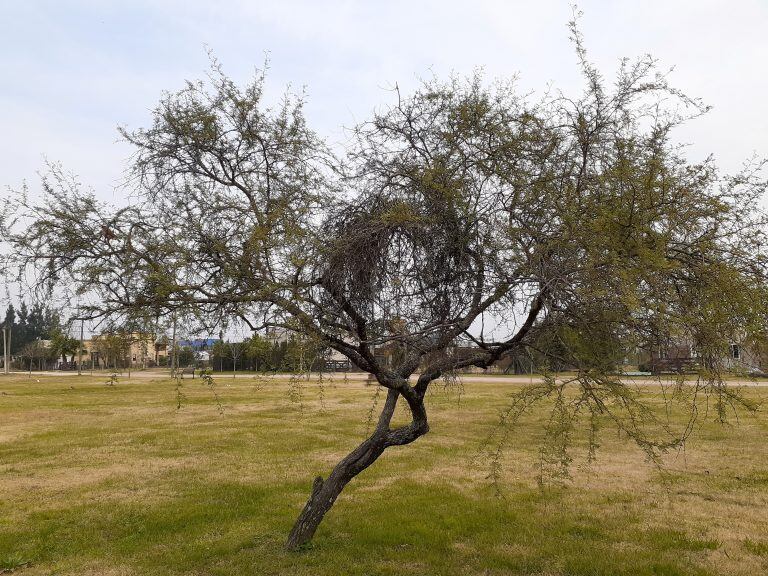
[71,72]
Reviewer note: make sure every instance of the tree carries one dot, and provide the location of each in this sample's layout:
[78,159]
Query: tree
[461,212]
[63,345]
[113,347]
[21,332]
[302,355]
[219,354]
[36,352]
[259,353]
[10,317]
[235,351]
[186,356]
[278,355]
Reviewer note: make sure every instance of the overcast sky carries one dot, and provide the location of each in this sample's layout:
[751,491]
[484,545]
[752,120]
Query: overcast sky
[70,72]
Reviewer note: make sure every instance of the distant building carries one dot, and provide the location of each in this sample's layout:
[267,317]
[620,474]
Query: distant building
[681,356]
[278,335]
[198,344]
[123,350]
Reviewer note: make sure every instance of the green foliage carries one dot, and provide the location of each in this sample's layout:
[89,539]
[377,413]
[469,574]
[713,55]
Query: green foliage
[12,563]
[63,345]
[185,356]
[40,322]
[206,375]
[260,354]
[112,348]
[757,548]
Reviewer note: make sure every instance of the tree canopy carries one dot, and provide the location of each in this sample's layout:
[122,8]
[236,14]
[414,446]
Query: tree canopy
[28,324]
[571,228]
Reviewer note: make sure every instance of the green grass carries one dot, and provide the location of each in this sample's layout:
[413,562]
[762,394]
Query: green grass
[117,480]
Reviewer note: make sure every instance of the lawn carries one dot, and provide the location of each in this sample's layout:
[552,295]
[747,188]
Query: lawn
[141,478]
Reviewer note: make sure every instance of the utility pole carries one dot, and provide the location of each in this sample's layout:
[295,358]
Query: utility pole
[5,350]
[173,345]
[221,355]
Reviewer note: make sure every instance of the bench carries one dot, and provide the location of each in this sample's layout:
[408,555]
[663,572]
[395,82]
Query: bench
[187,370]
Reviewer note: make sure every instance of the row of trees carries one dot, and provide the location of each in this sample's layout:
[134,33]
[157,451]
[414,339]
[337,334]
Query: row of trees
[39,340]
[28,324]
[37,337]
[260,354]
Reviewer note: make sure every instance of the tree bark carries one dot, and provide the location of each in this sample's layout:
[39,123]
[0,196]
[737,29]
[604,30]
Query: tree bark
[325,492]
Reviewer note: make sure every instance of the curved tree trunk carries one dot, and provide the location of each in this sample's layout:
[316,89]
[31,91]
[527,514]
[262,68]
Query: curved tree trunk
[325,492]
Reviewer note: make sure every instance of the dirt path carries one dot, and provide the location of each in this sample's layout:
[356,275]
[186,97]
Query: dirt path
[361,376]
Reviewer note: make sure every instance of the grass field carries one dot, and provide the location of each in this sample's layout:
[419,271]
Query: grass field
[120,480]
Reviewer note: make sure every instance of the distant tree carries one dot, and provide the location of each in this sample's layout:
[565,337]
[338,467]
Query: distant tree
[9,320]
[236,351]
[113,347]
[186,356]
[258,353]
[459,212]
[36,354]
[8,328]
[302,354]
[220,356]
[63,345]
[20,337]
[28,325]
[278,354]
